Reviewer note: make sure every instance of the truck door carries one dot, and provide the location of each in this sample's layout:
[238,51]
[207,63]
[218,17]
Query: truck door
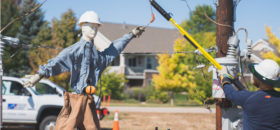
[18,105]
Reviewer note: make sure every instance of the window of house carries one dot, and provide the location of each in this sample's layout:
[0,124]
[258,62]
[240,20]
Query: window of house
[132,62]
[139,60]
[149,64]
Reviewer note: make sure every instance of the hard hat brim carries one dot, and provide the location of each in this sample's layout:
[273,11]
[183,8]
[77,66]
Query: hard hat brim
[81,23]
[273,83]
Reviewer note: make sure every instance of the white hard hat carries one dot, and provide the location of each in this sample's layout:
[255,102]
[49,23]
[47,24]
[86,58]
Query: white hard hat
[266,71]
[90,17]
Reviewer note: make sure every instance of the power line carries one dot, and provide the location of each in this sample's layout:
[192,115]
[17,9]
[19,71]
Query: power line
[211,49]
[189,7]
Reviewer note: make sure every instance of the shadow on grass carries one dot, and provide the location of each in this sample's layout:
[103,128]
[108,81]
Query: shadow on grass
[188,105]
[106,128]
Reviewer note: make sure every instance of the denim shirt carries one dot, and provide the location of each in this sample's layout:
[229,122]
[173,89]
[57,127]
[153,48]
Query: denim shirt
[84,62]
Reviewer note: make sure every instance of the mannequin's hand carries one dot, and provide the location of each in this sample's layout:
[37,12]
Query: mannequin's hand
[32,80]
[138,31]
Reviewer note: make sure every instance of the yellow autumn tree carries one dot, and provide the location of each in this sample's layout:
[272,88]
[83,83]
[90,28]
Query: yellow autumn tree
[176,72]
[174,75]
[275,41]
[202,78]
[173,71]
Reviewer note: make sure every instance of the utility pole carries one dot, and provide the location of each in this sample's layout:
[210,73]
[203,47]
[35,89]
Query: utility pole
[224,15]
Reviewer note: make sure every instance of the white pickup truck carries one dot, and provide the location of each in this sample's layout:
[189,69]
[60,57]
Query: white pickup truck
[38,106]
[28,107]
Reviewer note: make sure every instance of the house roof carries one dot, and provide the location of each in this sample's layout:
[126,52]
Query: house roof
[152,40]
[265,45]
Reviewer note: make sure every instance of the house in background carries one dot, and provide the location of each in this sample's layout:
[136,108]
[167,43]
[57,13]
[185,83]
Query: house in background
[259,47]
[262,46]
[138,60]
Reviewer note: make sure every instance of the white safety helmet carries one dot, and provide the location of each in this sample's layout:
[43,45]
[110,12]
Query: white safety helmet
[266,71]
[89,17]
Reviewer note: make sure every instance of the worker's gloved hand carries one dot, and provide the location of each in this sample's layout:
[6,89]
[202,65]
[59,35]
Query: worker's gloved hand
[225,77]
[138,31]
[31,80]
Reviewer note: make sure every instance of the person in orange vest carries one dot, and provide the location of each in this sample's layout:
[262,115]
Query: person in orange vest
[85,63]
[261,109]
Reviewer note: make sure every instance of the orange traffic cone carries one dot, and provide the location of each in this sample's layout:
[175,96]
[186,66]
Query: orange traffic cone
[116,121]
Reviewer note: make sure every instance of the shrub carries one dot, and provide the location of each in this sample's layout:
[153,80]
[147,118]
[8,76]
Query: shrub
[156,96]
[136,93]
[112,84]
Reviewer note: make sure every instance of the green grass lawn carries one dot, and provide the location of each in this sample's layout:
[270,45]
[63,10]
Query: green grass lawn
[180,100]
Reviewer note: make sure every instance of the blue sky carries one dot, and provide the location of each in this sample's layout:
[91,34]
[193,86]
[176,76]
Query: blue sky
[250,14]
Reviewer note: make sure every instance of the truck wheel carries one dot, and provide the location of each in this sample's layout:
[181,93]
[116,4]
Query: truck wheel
[48,123]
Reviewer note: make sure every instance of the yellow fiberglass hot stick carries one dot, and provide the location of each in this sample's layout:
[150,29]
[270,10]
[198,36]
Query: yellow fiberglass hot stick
[185,34]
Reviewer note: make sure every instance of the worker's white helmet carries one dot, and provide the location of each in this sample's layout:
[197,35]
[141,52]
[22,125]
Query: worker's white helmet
[266,71]
[89,17]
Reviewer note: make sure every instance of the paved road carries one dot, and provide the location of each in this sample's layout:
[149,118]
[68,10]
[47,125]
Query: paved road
[162,109]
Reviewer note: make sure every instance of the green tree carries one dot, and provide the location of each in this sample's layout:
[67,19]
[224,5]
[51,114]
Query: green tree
[61,34]
[176,72]
[198,23]
[39,56]
[204,32]
[31,24]
[9,11]
[16,65]
[64,31]
[203,79]
[64,34]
